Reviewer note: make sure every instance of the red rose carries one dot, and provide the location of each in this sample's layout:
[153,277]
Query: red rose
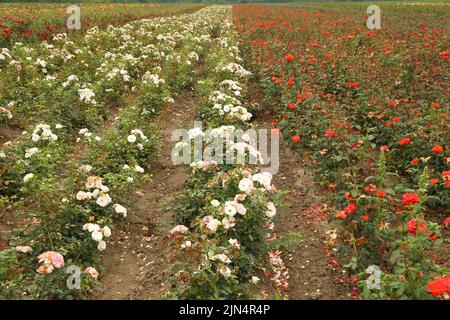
[353,84]
[289,57]
[447,221]
[365,217]
[330,133]
[350,208]
[291,81]
[436,105]
[410,198]
[341,215]
[412,226]
[439,286]
[437,149]
[292,106]
[404,141]
[296,139]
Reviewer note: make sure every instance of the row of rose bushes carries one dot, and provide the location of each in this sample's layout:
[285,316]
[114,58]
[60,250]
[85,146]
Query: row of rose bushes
[68,202]
[224,213]
[368,109]
[31,22]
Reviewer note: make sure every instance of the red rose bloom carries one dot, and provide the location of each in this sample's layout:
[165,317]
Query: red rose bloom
[410,198]
[330,133]
[437,149]
[412,226]
[296,139]
[353,84]
[341,215]
[439,286]
[291,81]
[404,141]
[292,106]
[447,221]
[350,208]
[289,57]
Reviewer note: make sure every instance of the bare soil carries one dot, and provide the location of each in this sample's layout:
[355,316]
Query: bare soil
[309,276]
[136,261]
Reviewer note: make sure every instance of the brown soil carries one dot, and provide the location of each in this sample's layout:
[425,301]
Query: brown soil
[136,260]
[309,276]
[8,133]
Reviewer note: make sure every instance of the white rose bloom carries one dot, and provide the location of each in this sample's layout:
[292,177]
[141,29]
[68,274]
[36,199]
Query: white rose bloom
[234,243]
[215,203]
[272,210]
[103,200]
[254,280]
[131,138]
[91,227]
[97,236]
[28,177]
[246,185]
[101,245]
[120,210]
[230,209]
[106,231]
[81,195]
[212,225]
[225,271]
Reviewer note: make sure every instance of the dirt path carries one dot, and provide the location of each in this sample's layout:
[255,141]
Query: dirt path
[309,276]
[136,264]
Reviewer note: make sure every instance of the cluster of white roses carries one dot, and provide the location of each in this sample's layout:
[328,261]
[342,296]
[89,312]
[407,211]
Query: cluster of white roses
[155,79]
[133,137]
[234,68]
[99,192]
[87,135]
[98,234]
[226,104]
[44,132]
[86,95]
[233,86]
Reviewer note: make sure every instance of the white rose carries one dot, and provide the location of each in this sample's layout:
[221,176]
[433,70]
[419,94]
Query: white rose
[106,231]
[97,236]
[103,200]
[101,245]
[28,177]
[131,138]
[120,210]
[215,203]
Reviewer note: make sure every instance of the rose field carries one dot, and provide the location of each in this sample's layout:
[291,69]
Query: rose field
[96,204]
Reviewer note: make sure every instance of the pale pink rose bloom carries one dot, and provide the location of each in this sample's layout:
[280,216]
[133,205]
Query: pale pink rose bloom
[92,272]
[58,260]
[23,249]
[179,229]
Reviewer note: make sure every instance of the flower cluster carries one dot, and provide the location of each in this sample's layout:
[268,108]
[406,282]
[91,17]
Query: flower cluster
[97,234]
